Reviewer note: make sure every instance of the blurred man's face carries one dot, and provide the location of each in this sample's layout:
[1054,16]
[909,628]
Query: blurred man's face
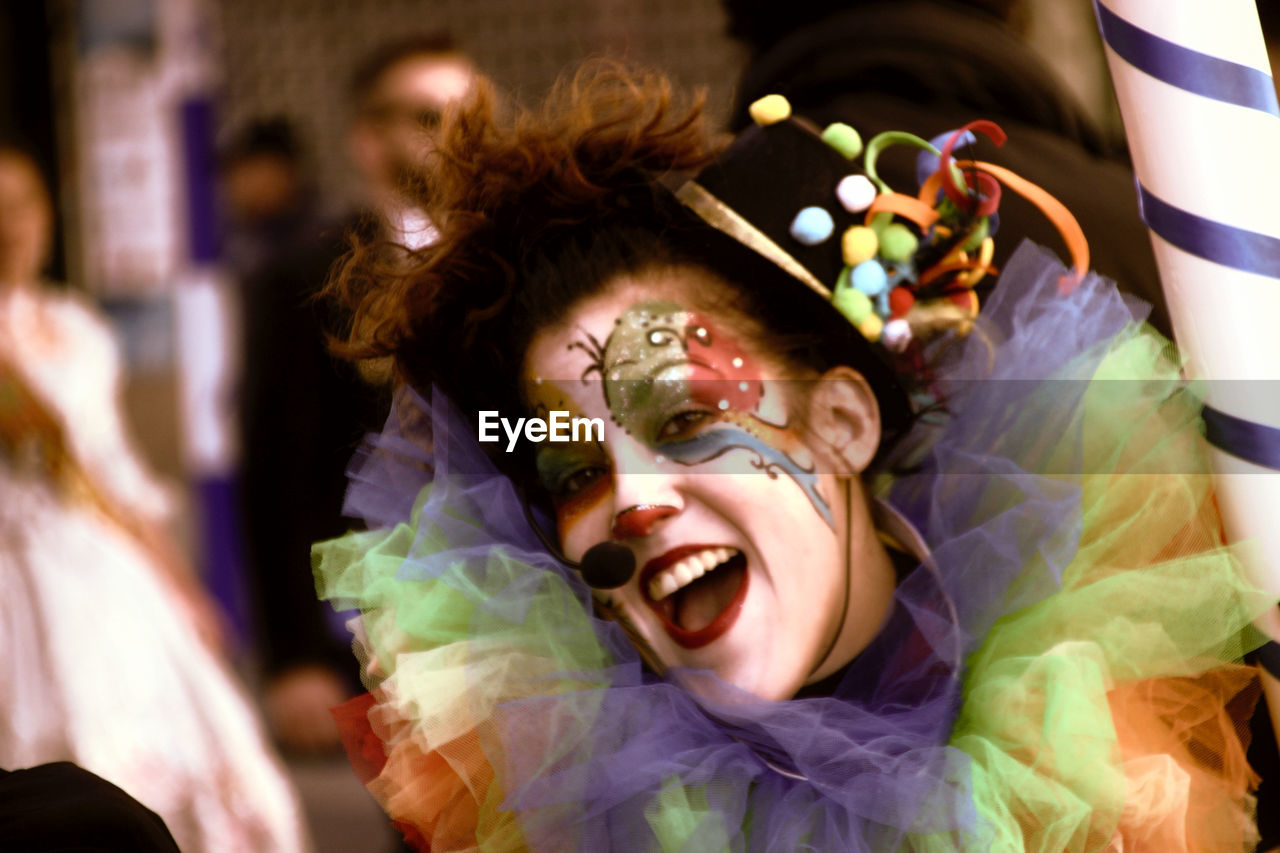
[397,128]
[260,187]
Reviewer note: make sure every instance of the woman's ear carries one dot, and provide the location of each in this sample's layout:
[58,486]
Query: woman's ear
[845,418]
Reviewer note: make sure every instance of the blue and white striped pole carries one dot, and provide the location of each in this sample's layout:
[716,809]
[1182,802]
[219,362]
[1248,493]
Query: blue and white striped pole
[1199,106]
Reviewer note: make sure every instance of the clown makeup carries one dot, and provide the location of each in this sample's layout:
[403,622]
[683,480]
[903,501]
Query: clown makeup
[752,562]
[670,375]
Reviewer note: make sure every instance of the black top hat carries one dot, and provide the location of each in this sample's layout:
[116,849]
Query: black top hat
[878,271]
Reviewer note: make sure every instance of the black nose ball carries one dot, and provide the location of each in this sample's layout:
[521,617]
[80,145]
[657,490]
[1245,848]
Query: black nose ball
[608,565]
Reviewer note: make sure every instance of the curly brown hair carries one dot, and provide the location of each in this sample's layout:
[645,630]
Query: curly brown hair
[518,199]
[537,211]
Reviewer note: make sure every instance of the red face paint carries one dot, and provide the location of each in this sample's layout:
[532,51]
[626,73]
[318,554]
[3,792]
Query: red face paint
[723,376]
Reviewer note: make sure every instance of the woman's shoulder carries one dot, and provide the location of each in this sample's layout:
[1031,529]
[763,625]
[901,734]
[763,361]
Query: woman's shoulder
[60,339]
[74,318]
[72,306]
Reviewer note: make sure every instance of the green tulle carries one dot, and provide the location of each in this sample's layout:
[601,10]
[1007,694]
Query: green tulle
[1152,609]
[1150,594]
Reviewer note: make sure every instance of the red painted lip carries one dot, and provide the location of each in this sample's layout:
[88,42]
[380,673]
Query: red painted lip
[719,626]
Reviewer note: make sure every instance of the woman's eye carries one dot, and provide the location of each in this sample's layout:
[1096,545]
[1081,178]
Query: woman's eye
[683,424]
[577,481]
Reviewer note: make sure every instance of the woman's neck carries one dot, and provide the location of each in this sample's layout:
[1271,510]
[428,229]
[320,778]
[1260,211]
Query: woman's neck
[870,582]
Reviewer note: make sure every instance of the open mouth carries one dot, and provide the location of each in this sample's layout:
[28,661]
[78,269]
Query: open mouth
[697,591]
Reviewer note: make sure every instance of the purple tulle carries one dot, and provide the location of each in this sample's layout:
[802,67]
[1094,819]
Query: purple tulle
[863,767]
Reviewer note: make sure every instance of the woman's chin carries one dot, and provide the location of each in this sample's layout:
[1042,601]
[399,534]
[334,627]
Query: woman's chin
[737,671]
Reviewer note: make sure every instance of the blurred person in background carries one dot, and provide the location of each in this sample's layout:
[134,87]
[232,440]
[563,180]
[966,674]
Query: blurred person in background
[273,207]
[398,95]
[277,241]
[300,415]
[304,411]
[930,66]
[111,645]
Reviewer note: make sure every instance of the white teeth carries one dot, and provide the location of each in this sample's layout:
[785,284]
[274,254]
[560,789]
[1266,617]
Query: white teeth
[683,573]
[686,571]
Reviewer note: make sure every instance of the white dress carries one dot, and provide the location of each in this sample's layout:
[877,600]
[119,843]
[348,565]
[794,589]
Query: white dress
[99,664]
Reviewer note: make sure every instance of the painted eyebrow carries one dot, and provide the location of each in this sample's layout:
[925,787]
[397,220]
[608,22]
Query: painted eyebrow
[570,451]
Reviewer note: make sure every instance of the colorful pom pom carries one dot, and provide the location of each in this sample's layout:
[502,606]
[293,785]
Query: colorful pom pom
[854,305]
[770,109]
[871,327]
[844,139]
[897,243]
[900,301]
[896,335]
[859,244]
[856,192]
[812,226]
[869,278]
[842,281]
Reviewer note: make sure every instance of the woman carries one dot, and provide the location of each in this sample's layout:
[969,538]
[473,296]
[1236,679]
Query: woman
[831,625]
[109,641]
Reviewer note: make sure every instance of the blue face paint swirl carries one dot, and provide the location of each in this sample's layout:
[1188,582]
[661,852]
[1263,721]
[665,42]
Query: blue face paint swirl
[714,443]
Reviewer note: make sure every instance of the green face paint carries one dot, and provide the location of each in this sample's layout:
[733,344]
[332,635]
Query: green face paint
[677,383]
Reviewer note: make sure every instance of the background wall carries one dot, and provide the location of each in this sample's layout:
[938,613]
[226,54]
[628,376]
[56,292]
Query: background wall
[1065,34]
[293,57]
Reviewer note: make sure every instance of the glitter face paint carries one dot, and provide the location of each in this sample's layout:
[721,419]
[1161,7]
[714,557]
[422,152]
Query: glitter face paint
[660,360]
[559,464]
[745,568]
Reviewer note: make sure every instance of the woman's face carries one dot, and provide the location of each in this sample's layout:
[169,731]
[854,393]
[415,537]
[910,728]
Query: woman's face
[755,554]
[25,220]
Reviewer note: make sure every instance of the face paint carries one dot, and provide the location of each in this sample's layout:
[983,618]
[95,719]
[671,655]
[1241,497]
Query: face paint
[663,361]
[575,474]
[658,350]
[738,574]
[769,459]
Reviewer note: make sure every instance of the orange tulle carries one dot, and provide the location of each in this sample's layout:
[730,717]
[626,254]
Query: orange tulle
[1182,743]
[434,797]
